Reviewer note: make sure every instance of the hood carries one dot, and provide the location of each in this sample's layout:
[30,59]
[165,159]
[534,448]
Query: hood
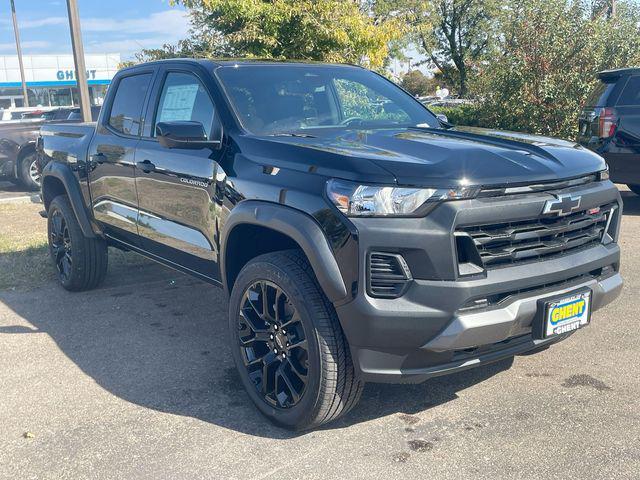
[438,157]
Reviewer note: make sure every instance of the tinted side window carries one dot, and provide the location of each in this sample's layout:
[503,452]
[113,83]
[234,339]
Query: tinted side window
[599,95]
[126,110]
[631,93]
[185,98]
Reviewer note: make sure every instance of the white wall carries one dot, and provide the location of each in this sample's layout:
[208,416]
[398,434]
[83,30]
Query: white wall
[49,68]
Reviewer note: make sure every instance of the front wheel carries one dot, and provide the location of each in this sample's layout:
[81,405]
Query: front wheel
[29,173]
[80,262]
[288,345]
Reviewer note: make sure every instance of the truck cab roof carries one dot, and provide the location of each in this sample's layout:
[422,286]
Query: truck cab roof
[618,72]
[209,63]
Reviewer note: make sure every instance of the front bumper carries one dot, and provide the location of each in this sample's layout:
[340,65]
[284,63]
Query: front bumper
[430,330]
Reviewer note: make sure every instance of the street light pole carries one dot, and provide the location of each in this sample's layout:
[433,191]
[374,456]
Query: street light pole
[19,48]
[78,58]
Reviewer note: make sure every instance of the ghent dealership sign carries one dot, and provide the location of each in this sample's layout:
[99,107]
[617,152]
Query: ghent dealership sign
[71,74]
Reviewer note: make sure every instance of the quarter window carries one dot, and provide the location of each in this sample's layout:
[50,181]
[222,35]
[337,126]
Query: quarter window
[185,98]
[126,110]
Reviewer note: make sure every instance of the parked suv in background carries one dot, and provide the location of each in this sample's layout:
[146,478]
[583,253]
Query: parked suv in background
[610,124]
[359,238]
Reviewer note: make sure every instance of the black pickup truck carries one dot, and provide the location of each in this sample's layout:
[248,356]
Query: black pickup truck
[359,238]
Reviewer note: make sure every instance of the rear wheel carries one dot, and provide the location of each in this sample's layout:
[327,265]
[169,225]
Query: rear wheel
[288,346]
[28,172]
[80,262]
[634,188]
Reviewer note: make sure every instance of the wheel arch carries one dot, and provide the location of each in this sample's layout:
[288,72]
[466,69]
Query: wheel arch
[24,150]
[58,179]
[278,228]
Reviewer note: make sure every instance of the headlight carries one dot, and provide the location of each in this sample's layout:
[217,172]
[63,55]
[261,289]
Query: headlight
[604,174]
[356,200]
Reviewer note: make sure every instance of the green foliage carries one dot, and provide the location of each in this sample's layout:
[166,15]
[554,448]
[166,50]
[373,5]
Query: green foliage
[461,35]
[468,115]
[325,30]
[546,62]
[417,83]
[183,49]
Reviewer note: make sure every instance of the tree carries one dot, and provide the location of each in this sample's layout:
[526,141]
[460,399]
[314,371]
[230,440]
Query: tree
[323,30]
[461,34]
[417,83]
[547,60]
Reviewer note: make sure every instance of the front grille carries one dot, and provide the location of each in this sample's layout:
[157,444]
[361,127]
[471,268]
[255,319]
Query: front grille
[529,240]
[388,275]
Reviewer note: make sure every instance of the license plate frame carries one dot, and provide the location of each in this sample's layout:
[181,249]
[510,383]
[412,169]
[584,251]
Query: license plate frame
[566,319]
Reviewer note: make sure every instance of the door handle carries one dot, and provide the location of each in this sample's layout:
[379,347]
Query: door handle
[146,166]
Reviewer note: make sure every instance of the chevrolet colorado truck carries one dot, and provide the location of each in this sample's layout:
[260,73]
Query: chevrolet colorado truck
[359,238]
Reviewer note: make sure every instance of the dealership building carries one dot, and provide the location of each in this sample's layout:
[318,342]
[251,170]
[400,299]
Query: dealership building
[51,79]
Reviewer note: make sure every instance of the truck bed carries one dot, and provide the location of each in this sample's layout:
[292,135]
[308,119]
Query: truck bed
[65,142]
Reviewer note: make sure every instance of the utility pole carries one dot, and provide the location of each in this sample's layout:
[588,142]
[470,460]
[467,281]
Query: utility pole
[19,48]
[78,59]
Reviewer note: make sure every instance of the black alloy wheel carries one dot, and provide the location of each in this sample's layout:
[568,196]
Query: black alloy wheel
[61,246]
[273,344]
[288,344]
[80,262]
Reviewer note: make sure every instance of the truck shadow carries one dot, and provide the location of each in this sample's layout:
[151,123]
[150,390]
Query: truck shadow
[11,190]
[158,339]
[631,203]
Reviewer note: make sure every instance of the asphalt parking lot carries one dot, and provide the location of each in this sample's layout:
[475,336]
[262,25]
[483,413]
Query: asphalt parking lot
[135,380]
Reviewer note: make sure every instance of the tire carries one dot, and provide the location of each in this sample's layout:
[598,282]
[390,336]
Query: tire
[28,172]
[331,387]
[634,188]
[80,262]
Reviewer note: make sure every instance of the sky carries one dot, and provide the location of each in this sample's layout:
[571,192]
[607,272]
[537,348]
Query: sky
[108,26]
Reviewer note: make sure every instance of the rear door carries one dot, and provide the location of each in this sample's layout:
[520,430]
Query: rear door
[177,213]
[111,160]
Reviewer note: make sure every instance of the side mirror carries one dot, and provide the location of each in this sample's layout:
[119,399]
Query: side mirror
[442,117]
[184,134]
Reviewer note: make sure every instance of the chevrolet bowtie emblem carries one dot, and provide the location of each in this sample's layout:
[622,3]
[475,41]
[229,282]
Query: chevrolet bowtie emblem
[564,205]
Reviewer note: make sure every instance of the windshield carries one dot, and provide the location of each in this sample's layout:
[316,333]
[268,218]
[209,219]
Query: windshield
[285,99]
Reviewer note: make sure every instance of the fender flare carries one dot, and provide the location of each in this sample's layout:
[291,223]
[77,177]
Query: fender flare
[63,173]
[300,227]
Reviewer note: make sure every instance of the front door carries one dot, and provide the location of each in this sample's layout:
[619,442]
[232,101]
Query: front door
[177,211]
[111,162]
